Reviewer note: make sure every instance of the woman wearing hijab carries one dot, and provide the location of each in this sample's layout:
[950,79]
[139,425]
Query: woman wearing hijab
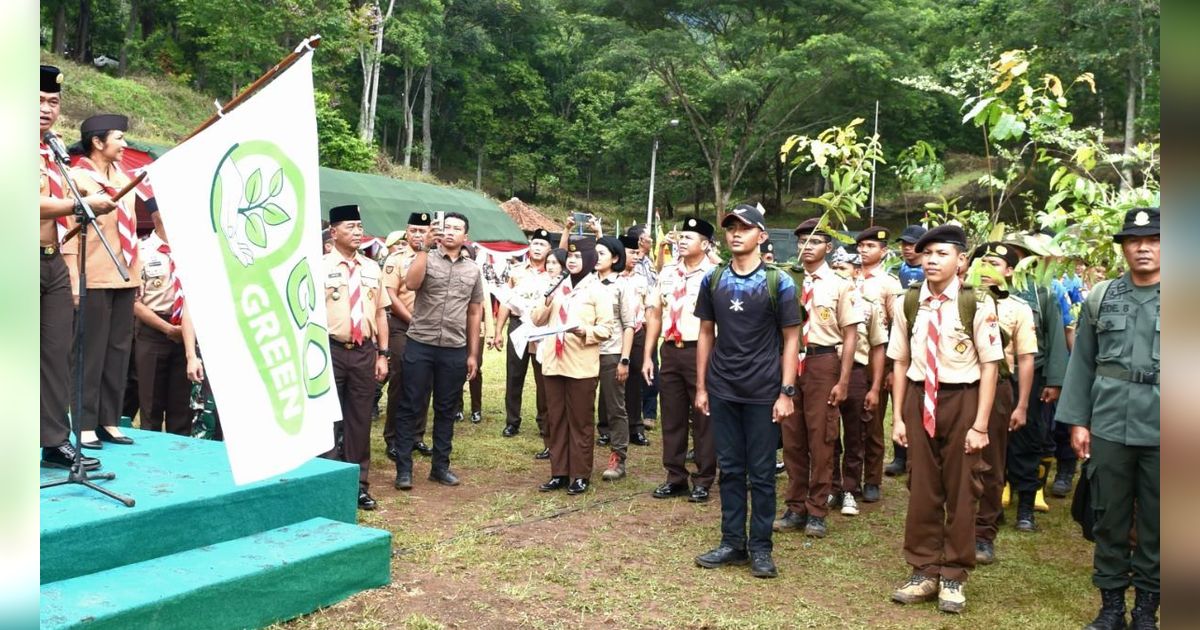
[571,366]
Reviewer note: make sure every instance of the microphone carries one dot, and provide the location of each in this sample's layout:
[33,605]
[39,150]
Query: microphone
[56,146]
[556,284]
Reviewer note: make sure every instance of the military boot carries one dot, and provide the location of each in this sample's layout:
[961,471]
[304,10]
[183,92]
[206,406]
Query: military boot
[1025,519]
[1145,610]
[1063,480]
[1112,611]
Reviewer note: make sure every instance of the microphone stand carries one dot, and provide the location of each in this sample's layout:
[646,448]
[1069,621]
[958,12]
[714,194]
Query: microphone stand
[85,216]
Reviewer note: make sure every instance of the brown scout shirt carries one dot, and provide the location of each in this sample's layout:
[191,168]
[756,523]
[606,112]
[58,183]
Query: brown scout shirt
[881,287]
[871,331]
[101,273]
[440,306]
[527,288]
[834,306]
[395,266]
[590,306]
[158,285]
[337,294]
[1016,319]
[959,353]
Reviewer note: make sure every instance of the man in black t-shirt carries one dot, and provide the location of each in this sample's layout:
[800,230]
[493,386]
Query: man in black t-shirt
[745,381]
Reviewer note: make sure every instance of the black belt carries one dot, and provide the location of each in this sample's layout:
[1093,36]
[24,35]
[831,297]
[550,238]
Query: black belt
[47,251]
[812,351]
[350,345]
[680,344]
[947,386]
[1142,377]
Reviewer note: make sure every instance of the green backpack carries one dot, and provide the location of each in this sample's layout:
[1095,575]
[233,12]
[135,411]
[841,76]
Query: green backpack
[967,304]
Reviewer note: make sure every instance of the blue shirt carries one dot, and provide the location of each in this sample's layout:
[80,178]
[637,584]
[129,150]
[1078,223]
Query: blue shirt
[911,276]
[744,365]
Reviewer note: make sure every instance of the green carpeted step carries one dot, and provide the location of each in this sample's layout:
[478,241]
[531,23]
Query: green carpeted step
[248,582]
[185,497]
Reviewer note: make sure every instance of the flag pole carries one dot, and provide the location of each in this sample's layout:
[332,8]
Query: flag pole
[303,48]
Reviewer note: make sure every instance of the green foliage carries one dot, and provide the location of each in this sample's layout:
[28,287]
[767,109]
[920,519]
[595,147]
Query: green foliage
[839,156]
[338,145]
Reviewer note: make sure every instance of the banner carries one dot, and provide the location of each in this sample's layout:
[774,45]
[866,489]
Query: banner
[240,203]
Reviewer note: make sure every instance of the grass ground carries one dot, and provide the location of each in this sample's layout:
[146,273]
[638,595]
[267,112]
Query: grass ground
[496,553]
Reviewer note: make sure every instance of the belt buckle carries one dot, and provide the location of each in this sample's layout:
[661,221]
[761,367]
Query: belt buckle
[349,345]
[1146,378]
[679,343]
[48,250]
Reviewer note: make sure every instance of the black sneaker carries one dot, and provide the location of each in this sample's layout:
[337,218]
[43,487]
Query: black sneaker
[721,556]
[543,454]
[1025,520]
[790,521]
[815,527]
[780,468]
[762,566]
[510,430]
[476,417]
[365,501]
[834,501]
[603,440]
[985,552]
[871,493]
[458,417]
[1062,486]
[392,452]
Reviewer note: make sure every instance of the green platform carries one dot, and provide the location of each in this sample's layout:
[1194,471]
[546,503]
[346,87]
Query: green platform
[248,582]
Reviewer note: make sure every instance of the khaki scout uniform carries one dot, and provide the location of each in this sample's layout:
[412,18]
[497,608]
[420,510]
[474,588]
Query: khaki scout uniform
[677,375]
[1016,321]
[611,415]
[108,338]
[527,287]
[164,390]
[850,452]
[939,535]
[882,288]
[395,266]
[57,317]
[353,364]
[811,431]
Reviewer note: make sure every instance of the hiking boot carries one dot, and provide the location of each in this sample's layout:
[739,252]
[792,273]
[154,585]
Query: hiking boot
[849,505]
[761,565]
[790,521]
[1145,610]
[871,493]
[918,588]
[1025,521]
[1112,611]
[616,468]
[722,556]
[1062,486]
[985,552]
[951,597]
[815,527]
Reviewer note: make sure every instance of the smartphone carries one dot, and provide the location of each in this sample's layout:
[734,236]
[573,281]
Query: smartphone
[439,218]
[581,220]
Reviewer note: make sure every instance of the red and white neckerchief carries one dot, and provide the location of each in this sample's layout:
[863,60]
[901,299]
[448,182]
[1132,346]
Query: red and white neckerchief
[673,333]
[354,286]
[126,224]
[934,325]
[176,287]
[55,185]
[806,295]
[560,340]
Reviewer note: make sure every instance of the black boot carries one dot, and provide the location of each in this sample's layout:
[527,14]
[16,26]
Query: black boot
[1112,610]
[1025,519]
[1145,610]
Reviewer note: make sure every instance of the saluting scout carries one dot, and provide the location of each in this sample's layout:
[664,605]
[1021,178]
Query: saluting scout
[671,312]
[356,305]
[1111,398]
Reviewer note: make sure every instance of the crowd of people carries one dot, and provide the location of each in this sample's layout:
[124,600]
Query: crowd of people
[755,367]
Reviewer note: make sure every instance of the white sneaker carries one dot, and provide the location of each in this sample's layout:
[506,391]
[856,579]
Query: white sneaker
[849,505]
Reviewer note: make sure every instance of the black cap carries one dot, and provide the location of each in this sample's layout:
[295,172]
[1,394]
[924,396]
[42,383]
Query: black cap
[630,241]
[540,235]
[1011,255]
[52,79]
[614,246]
[810,227]
[699,226]
[911,234]
[951,234]
[104,122]
[1139,222]
[873,233]
[766,248]
[418,218]
[344,213]
[747,214]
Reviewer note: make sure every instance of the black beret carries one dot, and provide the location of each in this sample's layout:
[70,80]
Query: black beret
[104,122]
[581,244]
[808,227]
[699,226]
[1139,222]
[1011,255]
[873,233]
[951,234]
[766,248]
[344,213]
[630,241]
[614,246]
[540,235]
[51,78]
[418,218]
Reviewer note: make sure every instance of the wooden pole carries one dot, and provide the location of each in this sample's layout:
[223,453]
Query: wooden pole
[304,48]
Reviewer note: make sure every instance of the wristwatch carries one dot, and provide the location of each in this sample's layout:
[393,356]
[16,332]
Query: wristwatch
[788,390]
[385,353]
[625,361]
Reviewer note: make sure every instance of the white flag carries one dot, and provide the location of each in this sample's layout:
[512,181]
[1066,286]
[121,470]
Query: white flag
[241,205]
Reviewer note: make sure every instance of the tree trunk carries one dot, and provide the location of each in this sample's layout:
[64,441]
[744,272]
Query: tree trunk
[408,115]
[83,33]
[130,29]
[59,41]
[479,169]
[427,123]
[1130,122]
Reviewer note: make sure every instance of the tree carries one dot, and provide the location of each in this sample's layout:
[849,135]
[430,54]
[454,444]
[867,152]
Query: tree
[370,58]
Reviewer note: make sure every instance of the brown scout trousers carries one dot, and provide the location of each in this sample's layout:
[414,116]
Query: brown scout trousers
[809,434]
[677,395]
[848,451]
[354,375]
[56,349]
[944,483]
[987,521]
[164,390]
[108,343]
[570,407]
[873,442]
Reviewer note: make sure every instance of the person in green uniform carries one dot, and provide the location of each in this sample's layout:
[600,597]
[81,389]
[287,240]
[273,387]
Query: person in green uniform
[1110,397]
